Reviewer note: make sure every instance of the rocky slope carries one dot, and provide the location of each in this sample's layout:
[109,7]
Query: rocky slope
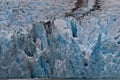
[60,39]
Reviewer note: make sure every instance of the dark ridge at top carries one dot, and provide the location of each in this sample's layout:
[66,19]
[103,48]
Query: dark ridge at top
[97,5]
[79,4]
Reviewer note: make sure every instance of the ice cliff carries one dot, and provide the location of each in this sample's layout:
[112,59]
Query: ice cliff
[47,39]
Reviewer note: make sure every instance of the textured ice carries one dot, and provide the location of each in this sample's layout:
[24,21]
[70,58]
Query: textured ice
[38,40]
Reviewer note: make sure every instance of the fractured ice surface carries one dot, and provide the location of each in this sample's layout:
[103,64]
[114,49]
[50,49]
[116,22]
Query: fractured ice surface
[41,44]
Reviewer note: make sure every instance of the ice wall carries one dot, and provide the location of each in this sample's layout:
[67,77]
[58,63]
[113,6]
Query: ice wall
[38,43]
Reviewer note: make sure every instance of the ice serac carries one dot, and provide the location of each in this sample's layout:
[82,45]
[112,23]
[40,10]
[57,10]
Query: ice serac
[42,50]
[65,56]
[102,36]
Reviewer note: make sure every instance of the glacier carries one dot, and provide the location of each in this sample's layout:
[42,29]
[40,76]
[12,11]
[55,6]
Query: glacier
[39,39]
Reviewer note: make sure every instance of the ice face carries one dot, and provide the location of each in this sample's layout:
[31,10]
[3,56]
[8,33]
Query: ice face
[38,43]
